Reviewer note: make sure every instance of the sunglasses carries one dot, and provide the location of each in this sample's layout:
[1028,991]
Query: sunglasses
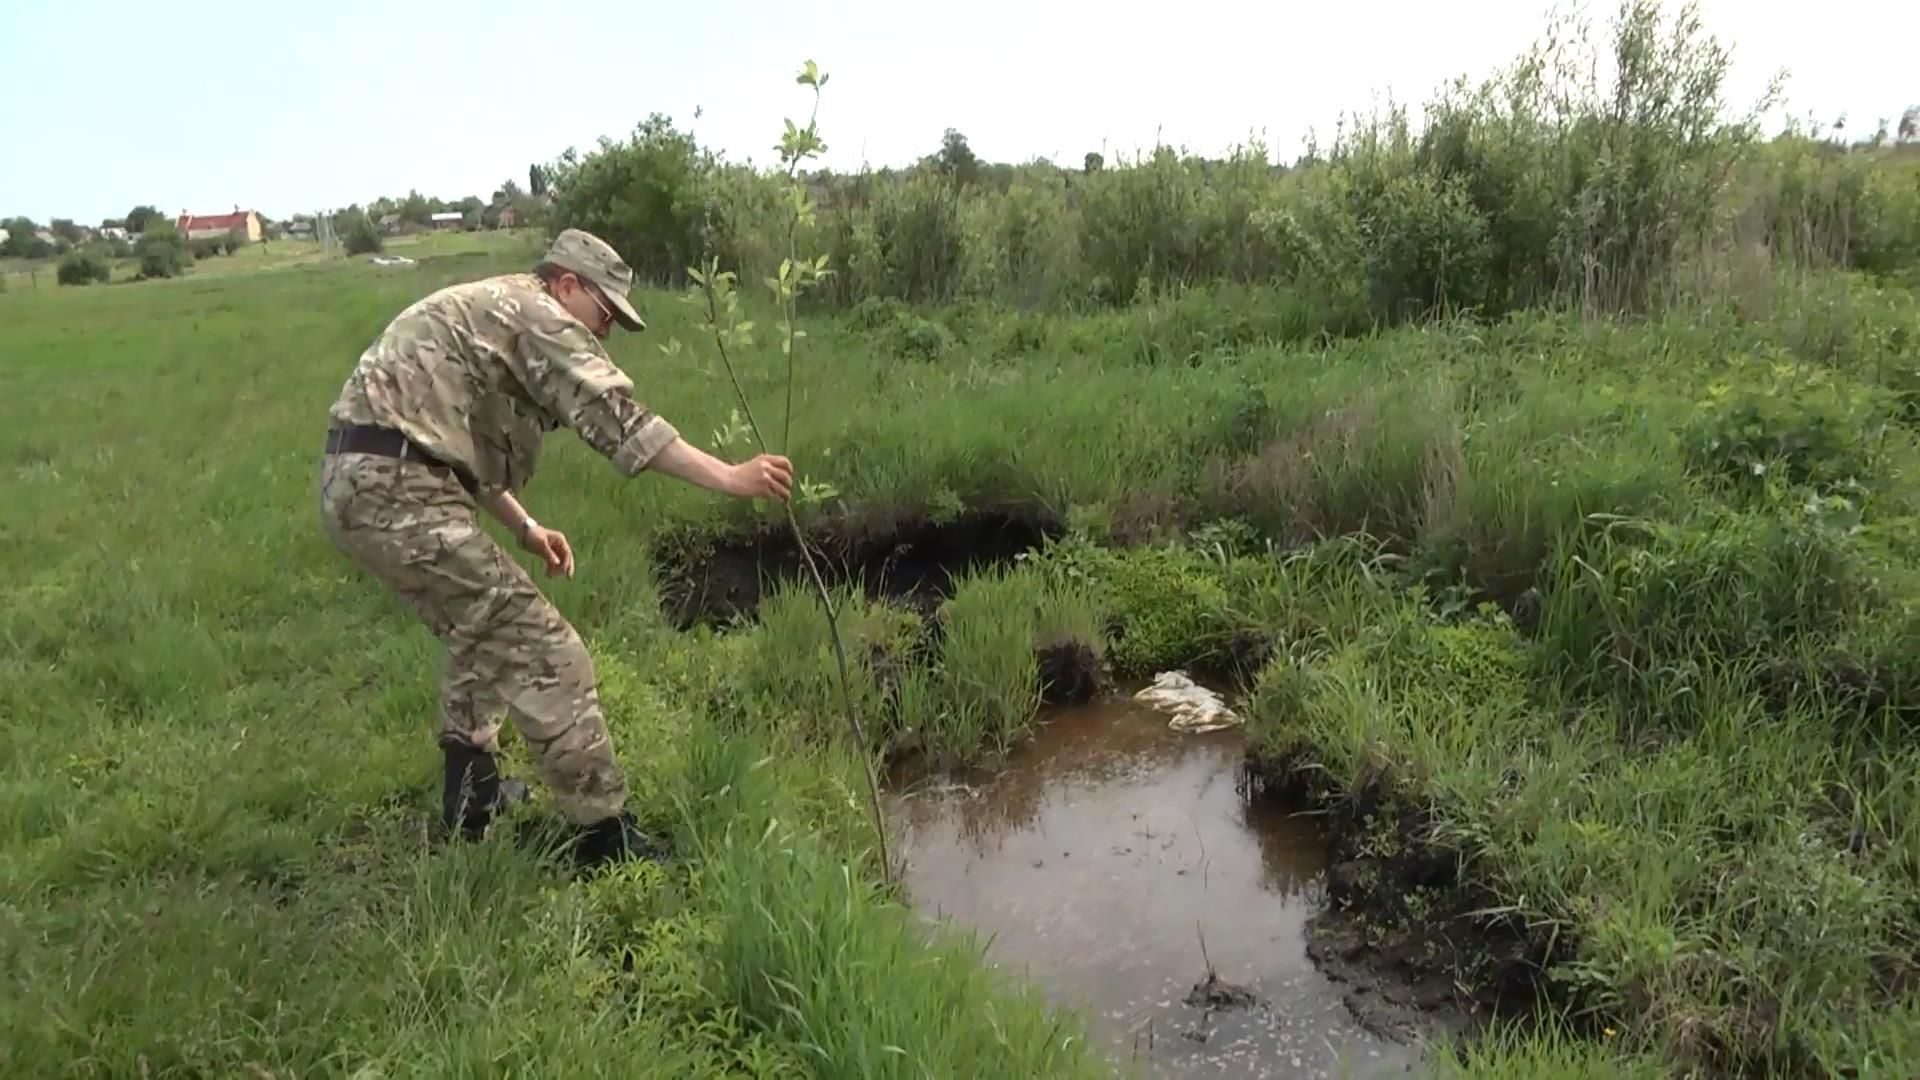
[594,295]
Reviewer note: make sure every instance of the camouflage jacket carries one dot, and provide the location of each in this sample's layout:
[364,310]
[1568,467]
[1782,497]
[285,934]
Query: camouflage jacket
[478,373]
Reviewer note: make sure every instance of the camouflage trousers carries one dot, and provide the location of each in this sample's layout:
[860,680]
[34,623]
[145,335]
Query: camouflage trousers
[510,653]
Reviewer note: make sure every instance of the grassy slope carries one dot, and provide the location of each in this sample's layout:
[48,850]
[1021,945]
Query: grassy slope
[218,760]
[182,633]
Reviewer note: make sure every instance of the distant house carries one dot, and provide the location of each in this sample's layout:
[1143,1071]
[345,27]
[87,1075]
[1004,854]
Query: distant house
[45,236]
[5,235]
[449,219]
[508,217]
[389,224]
[114,232]
[197,226]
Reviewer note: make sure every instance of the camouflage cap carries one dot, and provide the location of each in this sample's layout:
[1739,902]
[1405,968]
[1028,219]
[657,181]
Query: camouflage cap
[595,260]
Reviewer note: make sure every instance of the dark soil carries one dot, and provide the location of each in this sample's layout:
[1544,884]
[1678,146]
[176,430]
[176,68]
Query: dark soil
[1070,673]
[716,582]
[1404,925]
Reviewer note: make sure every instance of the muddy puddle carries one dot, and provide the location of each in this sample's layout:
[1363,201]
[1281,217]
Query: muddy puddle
[1096,861]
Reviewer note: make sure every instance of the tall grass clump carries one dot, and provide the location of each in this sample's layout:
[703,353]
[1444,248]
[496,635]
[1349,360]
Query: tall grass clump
[1008,640]
[1668,615]
[786,667]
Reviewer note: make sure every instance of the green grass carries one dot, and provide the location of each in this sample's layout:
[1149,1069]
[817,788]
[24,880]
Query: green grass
[218,753]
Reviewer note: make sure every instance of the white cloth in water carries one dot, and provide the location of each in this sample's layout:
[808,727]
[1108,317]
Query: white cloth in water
[1195,708]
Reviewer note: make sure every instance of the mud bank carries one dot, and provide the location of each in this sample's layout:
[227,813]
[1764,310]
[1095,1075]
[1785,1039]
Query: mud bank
[715,580]
[1404,930]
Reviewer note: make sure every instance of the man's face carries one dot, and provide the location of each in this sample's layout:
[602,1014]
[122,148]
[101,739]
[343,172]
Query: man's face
[584,302]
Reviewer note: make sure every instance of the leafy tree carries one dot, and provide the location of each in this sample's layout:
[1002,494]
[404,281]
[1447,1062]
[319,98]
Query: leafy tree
[956,160]
[65,229]
[22,241]
[1910,124]
[138,218]
[644,195]
[1094,162]
[415,209]
[536,180]
[162,250]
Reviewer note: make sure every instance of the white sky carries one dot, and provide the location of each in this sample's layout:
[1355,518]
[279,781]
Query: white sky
[201,105]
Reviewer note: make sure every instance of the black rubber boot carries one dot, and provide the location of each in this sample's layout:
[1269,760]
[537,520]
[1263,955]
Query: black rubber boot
[611,840]
[472,791]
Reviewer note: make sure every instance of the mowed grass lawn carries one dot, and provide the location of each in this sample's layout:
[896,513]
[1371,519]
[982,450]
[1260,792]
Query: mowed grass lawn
[1677,748]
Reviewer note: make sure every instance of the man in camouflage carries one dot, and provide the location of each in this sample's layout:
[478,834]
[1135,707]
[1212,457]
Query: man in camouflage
[444,414]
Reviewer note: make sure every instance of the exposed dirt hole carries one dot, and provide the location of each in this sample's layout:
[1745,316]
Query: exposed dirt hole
[716,582]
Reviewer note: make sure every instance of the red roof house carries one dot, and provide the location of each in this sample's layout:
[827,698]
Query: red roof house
[196,226]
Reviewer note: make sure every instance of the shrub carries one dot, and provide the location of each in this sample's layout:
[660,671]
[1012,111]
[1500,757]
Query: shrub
[359,234]
[84,267]
[163,250]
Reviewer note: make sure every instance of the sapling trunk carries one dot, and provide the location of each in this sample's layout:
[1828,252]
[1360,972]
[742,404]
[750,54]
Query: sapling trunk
[813,573]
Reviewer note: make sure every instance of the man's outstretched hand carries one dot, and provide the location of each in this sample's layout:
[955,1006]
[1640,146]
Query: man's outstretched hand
[768,476]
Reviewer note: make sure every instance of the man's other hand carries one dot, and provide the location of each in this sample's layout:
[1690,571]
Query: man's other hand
[552,547]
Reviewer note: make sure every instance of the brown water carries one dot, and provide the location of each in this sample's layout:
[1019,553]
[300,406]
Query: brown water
[1095,861]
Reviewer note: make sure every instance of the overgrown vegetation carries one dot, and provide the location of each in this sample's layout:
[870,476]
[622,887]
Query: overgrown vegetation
[1540,186]
[1592,635]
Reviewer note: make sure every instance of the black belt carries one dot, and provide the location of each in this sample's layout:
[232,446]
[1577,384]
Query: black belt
[386,442]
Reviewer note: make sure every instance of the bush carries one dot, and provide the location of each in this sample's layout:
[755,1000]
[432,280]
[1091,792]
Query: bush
[360,235]
[163,251]
[84,268]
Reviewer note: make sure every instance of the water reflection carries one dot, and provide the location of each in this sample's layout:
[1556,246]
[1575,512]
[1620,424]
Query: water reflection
[1100,861]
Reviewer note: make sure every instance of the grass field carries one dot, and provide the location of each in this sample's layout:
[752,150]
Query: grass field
[1612,622]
